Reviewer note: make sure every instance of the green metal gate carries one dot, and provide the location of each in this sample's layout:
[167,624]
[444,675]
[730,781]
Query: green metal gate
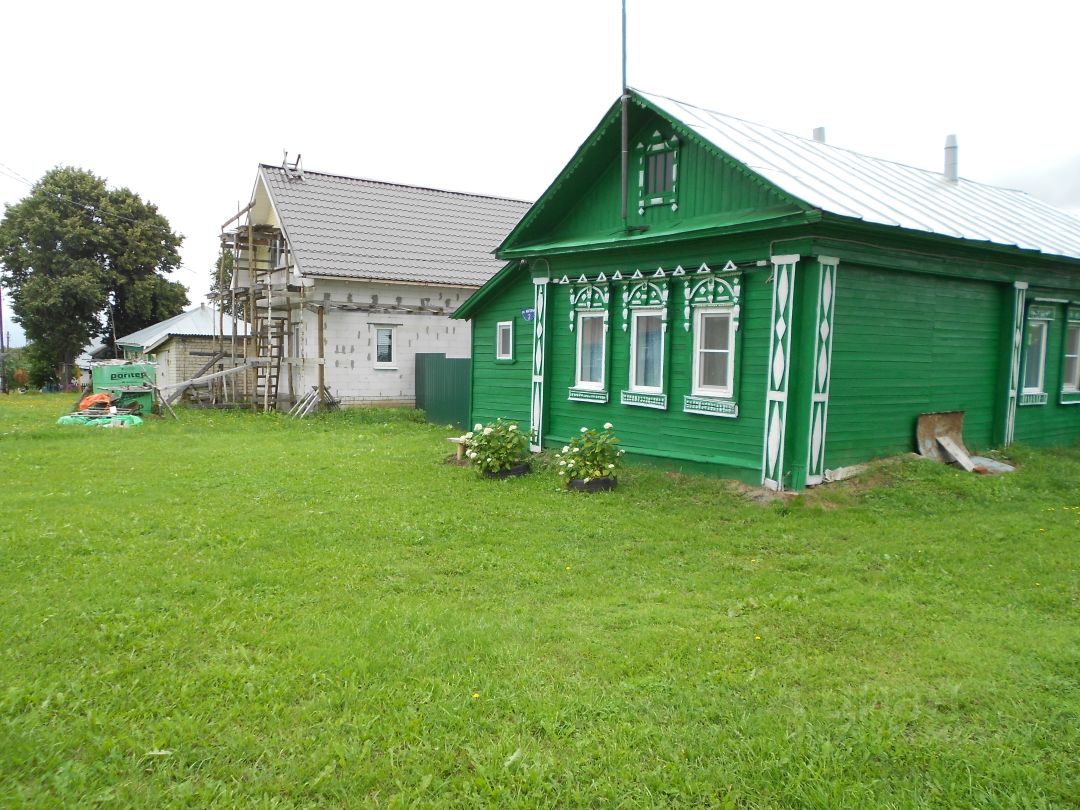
[442,388]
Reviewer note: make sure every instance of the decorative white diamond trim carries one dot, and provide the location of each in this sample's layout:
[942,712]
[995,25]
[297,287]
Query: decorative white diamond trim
[536,409]
[776,393]
[1019,296]
[819,399]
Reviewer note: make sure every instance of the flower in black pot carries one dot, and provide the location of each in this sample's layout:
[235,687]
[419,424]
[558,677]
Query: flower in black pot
[497,450]
[589,463]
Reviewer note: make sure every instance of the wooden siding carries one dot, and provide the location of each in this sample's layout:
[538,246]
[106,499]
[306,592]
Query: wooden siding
[1053,423]
[733,442]
[707,186]
[500,388]
[905,344]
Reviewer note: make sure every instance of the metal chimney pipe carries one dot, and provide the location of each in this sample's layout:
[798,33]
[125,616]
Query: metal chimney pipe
[950,159]
[819,134]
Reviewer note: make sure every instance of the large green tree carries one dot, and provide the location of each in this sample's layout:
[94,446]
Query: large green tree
[81,259]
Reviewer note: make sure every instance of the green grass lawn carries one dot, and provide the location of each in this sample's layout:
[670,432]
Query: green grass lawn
[245,610]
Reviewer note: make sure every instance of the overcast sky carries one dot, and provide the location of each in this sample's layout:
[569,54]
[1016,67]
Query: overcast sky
[181,101]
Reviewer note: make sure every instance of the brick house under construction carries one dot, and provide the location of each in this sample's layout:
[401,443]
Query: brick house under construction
[344,280]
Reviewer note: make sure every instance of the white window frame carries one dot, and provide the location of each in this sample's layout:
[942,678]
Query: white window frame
[392,363]
[1072,385]
[1045,327]
[499,327]
[585,384]
[697,389]
[652,312]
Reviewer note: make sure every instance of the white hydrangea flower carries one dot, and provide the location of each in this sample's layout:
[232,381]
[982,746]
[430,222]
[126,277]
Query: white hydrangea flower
[487,431]
[577,449]
[571,464]
[584,430]
[562,463]
[608,426]
[478,426]
[611,466]
[469,435]
[512,427]
[566,448]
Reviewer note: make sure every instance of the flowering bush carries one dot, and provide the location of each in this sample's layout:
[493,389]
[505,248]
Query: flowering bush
[591,454]
[495,447]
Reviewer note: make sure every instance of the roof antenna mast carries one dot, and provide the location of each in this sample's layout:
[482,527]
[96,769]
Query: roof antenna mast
[625,120]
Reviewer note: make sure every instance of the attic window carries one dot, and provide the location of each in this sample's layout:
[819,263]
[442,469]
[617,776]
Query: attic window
[658,172]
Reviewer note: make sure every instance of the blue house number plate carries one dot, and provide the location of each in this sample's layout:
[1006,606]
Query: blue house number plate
[528,314]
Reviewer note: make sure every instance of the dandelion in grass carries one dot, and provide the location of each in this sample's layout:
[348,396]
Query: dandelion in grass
[475,695]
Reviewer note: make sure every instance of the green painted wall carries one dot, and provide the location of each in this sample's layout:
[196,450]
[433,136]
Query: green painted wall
[734,442]
[501,388]
[905,344]
[711,190]
[1053,423]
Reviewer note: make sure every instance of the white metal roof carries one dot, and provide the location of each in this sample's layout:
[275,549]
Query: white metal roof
[347,227]
[850,184]
[202,321]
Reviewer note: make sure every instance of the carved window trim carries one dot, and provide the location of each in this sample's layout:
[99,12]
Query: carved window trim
[648,154]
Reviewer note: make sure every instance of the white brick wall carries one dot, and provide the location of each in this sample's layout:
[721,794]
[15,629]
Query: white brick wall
[349,339]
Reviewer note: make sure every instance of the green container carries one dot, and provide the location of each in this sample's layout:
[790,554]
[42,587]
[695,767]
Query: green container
[129,381]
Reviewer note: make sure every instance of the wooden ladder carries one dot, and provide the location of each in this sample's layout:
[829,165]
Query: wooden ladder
[269,346]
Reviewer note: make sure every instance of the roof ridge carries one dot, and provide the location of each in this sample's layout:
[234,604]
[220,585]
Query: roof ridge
[402,185]
[824,144]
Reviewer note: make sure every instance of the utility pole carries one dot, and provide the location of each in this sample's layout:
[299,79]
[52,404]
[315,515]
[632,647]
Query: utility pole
[3,351]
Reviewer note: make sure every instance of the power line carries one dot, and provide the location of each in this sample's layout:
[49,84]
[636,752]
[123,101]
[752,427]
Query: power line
[18,176]
[59,196]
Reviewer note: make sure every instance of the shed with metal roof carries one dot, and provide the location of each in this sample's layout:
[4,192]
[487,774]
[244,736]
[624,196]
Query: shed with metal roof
[773,306]
[185,345]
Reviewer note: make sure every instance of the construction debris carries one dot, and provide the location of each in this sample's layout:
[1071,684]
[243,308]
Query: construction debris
[940,436]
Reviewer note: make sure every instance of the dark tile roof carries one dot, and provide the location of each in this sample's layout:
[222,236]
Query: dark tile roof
[347,227]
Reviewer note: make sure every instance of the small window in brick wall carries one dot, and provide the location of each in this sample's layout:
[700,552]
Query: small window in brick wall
[384,347]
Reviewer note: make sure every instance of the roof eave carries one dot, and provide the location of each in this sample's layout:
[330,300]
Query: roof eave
[668,237]
[486,291]
[944,239]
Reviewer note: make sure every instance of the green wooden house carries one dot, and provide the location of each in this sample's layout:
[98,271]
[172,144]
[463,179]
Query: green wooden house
[774,306]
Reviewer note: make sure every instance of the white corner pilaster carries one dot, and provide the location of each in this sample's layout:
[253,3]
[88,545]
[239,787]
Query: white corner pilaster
[536,408]
[779,370]
[1017,347]
[819,396]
